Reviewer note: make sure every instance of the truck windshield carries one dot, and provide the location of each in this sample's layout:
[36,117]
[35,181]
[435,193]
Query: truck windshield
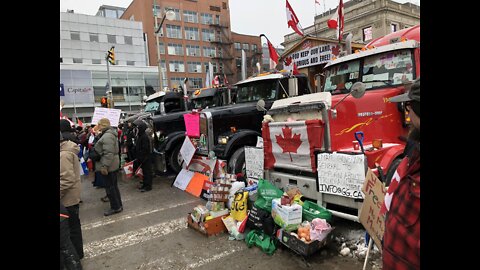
[375,71]
[257,90]
[205,102]
[151,106]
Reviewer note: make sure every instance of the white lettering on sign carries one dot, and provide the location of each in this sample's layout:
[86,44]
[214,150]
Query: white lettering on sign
[341,174]
[254,162]
[312,56]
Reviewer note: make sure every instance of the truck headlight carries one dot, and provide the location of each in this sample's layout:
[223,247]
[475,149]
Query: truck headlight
[223,139]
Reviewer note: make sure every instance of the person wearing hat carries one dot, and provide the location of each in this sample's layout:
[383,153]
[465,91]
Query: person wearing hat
[401,239]
[70,188]
[108,165]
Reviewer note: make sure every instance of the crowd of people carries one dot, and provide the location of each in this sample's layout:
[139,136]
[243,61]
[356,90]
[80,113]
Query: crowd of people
[102,147]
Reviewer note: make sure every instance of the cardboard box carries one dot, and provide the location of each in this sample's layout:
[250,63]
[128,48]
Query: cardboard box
[298,245]
[210,227]
[287,217]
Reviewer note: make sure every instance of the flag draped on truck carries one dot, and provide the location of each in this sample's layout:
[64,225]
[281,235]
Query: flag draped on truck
[291,145]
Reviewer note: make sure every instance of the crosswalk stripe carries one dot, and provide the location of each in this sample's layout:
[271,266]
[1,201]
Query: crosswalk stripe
[97,248]
[107,221]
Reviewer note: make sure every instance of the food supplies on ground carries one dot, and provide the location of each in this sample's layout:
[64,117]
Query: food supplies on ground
[319,229]
[287,217]
[238,210]
[266,192]
[261,220]
[236,186]
[199,213]
[312,210]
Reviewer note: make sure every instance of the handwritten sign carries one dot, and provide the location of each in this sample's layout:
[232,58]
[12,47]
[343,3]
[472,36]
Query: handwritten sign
[187,150]
[111,114]
[341,174]
[254,162]
[183,179]
[204,165]
[192,124]
[259,142]
[370,217]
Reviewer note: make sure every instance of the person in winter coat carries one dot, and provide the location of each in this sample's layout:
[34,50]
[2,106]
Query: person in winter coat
[143,154]
[108,165]
[401,240]
[68,255]
[130,141]
[70,187]
[67,131]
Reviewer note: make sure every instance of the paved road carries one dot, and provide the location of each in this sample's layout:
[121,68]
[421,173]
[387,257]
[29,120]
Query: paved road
[152,233]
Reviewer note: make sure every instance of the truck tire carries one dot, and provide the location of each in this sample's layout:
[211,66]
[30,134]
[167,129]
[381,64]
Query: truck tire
[237,162]
[175,159]
[391,170]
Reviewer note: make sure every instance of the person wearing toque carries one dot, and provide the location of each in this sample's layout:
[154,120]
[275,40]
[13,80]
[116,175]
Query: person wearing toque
[401,239]
[108,165]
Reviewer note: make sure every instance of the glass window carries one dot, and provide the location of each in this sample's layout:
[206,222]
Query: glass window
[206,18]
[367,33]
[215,67]
[128,40]
[130,63]
[93,37]
[110,13]
[196,82]
[255,91]
[174,31]
[245,46]
[193,50]
[387,69]
[75,35]
[77,60]
[176,82]
[209,52]
[194,67]
[176,66]
[96,61]
[237,46]
[208,35]
[175,49]
[340,78]
[254,47]
[162,48]
[111,39]
[151,82]
[393,27]
[190,16]
[217,19]
[191,33]
[156,10]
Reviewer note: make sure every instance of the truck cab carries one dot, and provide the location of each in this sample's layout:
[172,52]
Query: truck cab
[211,97]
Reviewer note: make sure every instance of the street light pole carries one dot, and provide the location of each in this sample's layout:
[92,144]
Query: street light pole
[170,15]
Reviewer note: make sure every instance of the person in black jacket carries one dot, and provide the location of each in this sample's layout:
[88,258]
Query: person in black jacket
[69,258]
[67,131]
[143,151]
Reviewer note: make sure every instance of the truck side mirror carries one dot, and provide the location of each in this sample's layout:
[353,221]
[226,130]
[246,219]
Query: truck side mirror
[293,87]
[358,90]
[261,106]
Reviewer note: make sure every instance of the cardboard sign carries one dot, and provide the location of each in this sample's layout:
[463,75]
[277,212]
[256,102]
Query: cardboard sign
[341,174]
[187,150]
[370,217]
[203,165]
[254,162]
[111,114]
[183,179]
[196,184]
[192,124]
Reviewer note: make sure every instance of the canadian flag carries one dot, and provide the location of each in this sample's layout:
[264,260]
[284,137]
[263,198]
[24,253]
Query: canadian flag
[273,55]
[216,81]
[291,145]
[290,65]
[337,21]
[128,169]
[293,21]
[80,123]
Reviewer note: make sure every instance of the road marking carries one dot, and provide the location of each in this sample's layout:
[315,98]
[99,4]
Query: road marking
[214,257]
[97,248]
[107,221]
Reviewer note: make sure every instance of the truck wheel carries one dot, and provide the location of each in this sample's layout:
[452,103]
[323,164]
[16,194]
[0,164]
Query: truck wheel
[391,170]
[176,159]
[237,162]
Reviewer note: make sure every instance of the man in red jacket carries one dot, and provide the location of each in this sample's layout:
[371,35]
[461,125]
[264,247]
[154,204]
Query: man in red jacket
[401,240]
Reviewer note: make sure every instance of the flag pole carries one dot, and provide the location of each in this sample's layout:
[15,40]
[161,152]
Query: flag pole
[263,35]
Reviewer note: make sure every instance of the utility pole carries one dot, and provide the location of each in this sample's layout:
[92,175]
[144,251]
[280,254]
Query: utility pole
[110,57]
[159,62]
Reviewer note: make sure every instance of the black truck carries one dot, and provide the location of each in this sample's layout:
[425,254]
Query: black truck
[226,130]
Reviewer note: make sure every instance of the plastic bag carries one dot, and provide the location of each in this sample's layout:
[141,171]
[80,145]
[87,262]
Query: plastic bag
[238,210]
[260,239]
[265,194]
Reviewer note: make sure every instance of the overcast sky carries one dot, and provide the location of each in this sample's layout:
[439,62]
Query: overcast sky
[251,17]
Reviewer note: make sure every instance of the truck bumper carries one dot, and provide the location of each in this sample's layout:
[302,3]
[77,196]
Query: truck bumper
[308,188]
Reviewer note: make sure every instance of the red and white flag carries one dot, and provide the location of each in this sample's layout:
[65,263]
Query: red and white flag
[273,55]
[216,81]
[290,65]
[293,21]
[79,122]
[337,21]
[291,145]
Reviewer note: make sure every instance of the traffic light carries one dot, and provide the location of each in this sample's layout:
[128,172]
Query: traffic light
[104,102]
[111,55]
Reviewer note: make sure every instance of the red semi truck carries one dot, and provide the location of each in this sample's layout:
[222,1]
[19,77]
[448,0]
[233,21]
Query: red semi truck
[317,141]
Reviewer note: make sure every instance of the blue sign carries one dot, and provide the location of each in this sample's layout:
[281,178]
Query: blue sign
[62,90]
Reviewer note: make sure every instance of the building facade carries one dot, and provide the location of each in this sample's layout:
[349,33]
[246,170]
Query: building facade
[199,33]
[82,87]
[253,52]
[266,56]
[110,11]
[85,39]
[364,19]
